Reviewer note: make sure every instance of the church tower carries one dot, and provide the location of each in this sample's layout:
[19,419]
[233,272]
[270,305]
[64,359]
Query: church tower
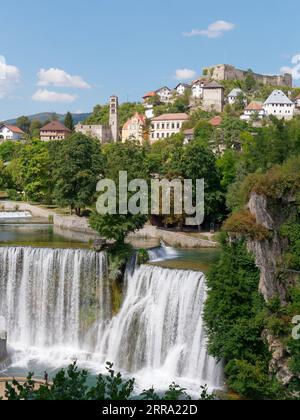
[114,117]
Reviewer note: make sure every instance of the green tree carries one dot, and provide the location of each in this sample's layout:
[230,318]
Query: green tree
[34,130]
[250,82]
[31,171]
[79,165]
[69,123]
[23,123]
[130,157]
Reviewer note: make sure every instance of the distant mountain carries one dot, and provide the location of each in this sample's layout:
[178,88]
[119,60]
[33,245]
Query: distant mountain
[44,116]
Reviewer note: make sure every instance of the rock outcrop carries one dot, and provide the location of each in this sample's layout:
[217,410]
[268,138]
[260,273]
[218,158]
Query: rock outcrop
[268,256]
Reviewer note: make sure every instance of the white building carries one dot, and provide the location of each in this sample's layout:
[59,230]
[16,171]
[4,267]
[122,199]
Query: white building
[254,110]
[182,88]
[297,101]
[166,125]
[197,88]
[10,132]
[165,95]
[234,94]
[279,105]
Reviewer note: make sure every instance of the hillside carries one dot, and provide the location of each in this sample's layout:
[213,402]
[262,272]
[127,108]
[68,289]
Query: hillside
[45,116]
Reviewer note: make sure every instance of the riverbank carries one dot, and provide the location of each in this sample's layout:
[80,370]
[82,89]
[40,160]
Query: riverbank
[78,227]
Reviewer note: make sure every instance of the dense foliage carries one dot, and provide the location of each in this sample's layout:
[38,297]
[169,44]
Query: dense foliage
[71,385]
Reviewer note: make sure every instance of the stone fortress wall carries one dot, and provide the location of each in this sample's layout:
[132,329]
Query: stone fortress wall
[229,72]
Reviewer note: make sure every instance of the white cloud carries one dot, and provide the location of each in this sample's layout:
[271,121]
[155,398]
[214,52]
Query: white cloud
[184,74]
[10,77]
[214,30]
[43,95]
[60,78]
[295,70]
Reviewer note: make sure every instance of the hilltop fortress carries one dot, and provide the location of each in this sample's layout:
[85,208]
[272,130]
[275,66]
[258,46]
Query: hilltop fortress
[229,72]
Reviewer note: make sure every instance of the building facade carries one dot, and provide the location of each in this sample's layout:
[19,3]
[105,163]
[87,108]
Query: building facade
[166,125]
[55,130]
[114,118]
[133,129]
[234,95]
[229,72]
[279,105]
[182,88]
[297,101]
[99,132]
[10,132]
[254,110]
[104,133]
[213,97]
[197,88]
[165,95]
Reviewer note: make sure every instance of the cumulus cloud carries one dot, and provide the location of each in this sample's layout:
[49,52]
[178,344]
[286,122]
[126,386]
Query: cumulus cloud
[184,74]
[214,30]
[10,77]
[295,69]
[60,78]
[43,95]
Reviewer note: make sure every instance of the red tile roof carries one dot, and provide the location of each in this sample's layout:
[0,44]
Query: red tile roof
[216,121]
[149,95]
[13,128]
[254,106]
[172,117]
[55,126]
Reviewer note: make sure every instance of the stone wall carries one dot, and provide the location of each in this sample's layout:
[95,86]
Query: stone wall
[228,72]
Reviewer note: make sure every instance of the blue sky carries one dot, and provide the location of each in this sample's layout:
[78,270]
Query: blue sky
[131,47]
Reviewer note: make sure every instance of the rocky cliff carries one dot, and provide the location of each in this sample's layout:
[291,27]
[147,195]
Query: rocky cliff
[275,279]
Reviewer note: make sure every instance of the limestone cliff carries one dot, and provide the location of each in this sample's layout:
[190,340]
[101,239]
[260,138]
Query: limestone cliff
[274,279]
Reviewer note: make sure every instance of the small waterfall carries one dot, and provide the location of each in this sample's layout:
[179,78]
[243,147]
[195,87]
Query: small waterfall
[57,306]
[14,214]
[162,253]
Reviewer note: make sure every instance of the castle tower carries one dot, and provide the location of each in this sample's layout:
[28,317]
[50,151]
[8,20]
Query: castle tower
[114,117]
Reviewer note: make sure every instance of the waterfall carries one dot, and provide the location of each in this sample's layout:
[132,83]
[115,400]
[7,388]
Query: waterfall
[48,297]
[57,306]
[160,328]
[14,214]
[162,253]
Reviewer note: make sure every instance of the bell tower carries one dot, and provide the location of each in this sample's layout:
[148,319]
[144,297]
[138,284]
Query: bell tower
[114,117]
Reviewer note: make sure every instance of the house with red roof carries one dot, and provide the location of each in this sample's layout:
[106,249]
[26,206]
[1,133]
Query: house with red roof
[10,132]
[254,109]
[55,130]
[133,129]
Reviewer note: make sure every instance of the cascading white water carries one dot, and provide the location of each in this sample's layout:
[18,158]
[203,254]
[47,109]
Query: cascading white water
[159,330]
[57,306]
[162,253]
[45,294]
[14,214]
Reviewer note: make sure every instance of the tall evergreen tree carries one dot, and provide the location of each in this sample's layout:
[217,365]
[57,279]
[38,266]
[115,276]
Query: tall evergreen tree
[69,123]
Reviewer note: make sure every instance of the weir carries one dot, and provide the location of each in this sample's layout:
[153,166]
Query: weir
[58,306]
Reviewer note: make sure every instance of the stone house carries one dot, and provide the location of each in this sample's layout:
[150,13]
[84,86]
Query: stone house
[213,97]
